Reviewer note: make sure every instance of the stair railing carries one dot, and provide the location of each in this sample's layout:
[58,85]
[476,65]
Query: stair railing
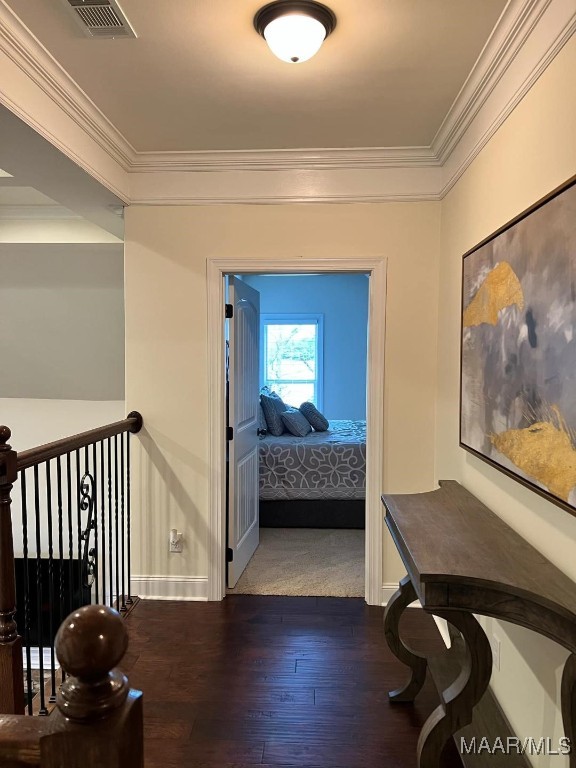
[65,522]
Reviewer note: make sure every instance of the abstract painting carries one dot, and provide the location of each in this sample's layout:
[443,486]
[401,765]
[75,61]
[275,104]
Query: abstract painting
[518,375]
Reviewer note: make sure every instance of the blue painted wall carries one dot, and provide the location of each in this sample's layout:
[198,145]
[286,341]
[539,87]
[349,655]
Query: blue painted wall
[343,300]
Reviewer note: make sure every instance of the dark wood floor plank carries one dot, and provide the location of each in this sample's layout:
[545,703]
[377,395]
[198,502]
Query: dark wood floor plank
[274,682]
[180,754]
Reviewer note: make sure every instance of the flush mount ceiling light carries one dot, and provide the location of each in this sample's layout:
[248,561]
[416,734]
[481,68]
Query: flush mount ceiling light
[294,29]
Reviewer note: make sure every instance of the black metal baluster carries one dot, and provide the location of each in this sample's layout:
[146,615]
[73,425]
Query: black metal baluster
[116,521]
[128,542]
[61,614]
[26,601]
[51,630]
[80,599]
[87,504]
[103,519]
[122,523]
[86,576]
[110,555]
[39,601]
[95,521]
[70,536]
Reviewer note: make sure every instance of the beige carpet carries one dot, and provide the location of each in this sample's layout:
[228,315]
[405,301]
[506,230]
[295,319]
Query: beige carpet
[305,561]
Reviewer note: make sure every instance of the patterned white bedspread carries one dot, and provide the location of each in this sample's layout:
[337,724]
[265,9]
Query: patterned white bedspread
[322,465]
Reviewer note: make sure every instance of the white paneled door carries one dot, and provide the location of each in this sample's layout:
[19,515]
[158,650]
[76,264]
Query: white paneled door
[243,522]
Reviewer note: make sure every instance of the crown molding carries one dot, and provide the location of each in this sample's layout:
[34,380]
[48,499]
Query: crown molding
[22,47]
[528,31]
[555,26]
[508,36]
[287,186]
[92,169]
[360,158]
[25,50]
[391,197]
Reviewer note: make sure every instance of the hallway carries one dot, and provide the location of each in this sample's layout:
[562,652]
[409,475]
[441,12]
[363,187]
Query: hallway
[274,681]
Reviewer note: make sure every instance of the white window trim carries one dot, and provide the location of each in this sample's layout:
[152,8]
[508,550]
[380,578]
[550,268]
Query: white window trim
[296,318]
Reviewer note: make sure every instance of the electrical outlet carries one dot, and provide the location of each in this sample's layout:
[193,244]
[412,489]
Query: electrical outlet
[495,646]
[175,544]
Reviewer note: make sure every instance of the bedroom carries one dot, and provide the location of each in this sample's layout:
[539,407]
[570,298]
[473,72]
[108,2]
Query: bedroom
[310,332]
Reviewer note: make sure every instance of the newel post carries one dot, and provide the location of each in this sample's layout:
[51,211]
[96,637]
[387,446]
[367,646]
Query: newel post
[11,672]
[98,719]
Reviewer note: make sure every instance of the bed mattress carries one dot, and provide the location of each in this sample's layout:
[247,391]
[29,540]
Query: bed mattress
[322,465]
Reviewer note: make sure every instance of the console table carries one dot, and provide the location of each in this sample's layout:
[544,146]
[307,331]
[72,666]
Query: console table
[462,559]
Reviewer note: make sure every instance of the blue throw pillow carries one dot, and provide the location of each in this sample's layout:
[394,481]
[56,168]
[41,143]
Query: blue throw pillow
[262,425]
[318,421]
[273,407]
[296,423]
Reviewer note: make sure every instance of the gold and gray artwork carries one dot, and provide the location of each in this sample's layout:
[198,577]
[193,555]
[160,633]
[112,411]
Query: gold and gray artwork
[519,348]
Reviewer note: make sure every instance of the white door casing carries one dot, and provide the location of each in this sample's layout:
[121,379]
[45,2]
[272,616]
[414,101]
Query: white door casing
[375,267]
[243,520]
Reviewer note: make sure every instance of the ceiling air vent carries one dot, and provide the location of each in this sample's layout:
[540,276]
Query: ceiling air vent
[101,18]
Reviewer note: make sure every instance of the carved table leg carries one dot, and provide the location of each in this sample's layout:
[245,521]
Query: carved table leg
[460,698]
[394,610]
[569,704]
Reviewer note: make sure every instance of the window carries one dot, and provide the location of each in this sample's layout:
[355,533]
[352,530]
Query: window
[292,357]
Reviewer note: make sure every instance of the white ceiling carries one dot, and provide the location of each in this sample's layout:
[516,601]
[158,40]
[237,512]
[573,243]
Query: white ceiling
[198,77]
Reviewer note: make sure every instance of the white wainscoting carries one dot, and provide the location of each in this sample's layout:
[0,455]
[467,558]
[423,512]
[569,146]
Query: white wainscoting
[170,587]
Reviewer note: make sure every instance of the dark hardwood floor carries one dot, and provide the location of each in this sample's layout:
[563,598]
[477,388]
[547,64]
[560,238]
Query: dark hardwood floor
[275,681]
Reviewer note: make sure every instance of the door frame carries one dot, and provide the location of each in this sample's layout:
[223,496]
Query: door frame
[375,267]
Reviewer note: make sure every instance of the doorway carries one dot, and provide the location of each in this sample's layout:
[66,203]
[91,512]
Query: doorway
[375,268]
[297,444]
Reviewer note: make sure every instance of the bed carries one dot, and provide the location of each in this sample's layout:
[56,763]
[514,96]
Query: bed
[317,481]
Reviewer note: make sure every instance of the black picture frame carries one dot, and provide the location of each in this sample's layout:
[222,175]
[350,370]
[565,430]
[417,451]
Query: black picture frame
[518,348]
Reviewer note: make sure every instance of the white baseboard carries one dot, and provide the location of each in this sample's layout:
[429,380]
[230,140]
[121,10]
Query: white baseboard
[387,592]
[170,587]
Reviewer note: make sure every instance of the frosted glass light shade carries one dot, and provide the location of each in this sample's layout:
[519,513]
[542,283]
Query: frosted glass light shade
[294,29]
[295,37]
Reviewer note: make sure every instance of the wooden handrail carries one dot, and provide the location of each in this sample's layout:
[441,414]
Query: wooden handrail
[132,423]
[98,719]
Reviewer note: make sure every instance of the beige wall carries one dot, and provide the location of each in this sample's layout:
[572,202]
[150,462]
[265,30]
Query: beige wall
[166,345]
[532,153]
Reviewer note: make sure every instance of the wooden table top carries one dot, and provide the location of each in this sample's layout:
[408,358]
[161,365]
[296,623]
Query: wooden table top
[457,550]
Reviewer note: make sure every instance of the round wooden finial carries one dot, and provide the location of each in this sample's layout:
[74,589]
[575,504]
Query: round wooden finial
[91,641]
[5,435]
[89,644]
